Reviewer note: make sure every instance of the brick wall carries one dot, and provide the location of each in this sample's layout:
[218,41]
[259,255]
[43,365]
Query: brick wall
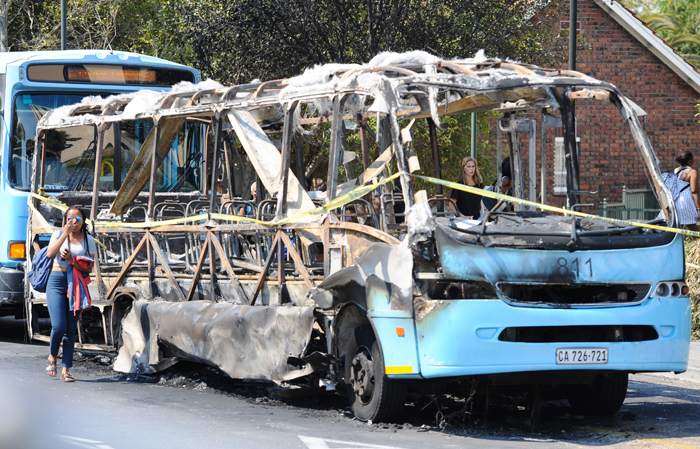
[609,158]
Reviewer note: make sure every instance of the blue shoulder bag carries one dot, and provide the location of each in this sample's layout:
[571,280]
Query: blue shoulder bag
[41,269]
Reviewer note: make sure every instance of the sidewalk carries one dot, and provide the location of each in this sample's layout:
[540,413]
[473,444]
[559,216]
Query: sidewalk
[693,373]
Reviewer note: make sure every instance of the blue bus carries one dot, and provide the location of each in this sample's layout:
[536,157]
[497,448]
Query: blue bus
[32,83]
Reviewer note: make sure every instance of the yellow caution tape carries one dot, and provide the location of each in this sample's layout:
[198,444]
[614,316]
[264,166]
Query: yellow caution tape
[362,191]
[339,201]
[333,204]
[45,224]
[511,199]
[62,207]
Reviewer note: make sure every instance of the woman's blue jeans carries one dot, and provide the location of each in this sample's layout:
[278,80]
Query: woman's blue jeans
[63,323]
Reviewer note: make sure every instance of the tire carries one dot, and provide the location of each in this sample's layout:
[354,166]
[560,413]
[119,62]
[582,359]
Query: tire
[604,396]
[372,395]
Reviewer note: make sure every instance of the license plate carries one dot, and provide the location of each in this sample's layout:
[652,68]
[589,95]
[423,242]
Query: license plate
[582,356]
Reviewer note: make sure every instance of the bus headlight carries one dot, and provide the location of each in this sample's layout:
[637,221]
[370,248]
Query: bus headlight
[671,289]
[16,250]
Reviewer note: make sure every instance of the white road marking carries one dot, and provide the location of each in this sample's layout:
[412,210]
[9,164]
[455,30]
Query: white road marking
[323,443]
[84,442]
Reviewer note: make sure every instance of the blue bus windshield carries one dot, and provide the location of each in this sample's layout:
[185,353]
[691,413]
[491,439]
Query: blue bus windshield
[28,109]
[69,159]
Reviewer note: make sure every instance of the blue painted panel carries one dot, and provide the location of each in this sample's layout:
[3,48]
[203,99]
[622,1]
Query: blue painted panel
[458,339]
[398,351]
[14,208]
[471,262]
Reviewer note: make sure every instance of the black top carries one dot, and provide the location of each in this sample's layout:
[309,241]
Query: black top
[468,204]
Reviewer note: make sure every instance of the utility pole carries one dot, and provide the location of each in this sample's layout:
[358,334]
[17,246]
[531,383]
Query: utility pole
[573,19]
[573,32]
[63,24]
[473,140]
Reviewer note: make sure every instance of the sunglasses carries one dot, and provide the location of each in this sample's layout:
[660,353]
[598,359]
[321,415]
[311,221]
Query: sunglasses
[78,219]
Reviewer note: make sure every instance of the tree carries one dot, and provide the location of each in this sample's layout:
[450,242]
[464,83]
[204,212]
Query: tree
[91,24]
[641,7]
[677,22]
[4,11]
[143,26]
[238,41]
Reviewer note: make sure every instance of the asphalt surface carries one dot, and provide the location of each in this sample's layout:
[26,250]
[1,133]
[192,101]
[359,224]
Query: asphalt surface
[183,409]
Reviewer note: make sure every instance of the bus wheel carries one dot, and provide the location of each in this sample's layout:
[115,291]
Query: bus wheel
[604,396]
[372,395]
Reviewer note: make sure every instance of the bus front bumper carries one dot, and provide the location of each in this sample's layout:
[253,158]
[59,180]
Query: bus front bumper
[462,338]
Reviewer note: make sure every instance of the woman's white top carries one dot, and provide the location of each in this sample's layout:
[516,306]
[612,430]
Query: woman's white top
[685,206]
[76,249]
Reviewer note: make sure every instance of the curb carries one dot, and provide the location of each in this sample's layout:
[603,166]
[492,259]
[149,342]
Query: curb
[692,375]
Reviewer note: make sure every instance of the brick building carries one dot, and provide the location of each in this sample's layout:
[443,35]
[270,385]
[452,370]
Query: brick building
[617,47]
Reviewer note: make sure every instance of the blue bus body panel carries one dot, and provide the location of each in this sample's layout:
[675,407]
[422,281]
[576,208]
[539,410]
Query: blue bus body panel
[399,351]
[460,337]
[471,262]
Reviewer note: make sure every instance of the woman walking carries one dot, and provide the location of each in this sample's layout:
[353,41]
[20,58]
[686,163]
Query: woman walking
[468,205]
[72,241]
[686,196]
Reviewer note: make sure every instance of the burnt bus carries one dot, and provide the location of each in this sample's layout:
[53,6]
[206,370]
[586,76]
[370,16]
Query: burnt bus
[366,282]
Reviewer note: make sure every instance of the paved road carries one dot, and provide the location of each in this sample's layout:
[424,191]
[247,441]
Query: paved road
[105,411]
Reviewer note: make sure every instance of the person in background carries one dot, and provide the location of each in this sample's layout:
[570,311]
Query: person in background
[223,197]
[466,204]
[317,189]
[248,209]
[685,191]
[506,188]
[65,244]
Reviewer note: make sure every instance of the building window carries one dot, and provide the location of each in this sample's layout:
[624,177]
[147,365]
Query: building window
[560,165]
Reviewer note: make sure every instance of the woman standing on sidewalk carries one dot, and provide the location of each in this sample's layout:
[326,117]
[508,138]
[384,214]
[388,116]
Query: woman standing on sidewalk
[687,198]
[72,241]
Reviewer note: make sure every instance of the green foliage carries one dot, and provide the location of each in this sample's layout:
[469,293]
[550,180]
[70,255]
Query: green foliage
[695,319]
[692,278]
[641,7]
[238,41]
[675,21]
[152,27]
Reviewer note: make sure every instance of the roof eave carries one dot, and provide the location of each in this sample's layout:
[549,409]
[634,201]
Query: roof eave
[651,41]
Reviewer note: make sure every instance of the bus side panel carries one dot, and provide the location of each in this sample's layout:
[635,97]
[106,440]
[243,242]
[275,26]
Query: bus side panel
[13,230]
[461,337]
[397,337]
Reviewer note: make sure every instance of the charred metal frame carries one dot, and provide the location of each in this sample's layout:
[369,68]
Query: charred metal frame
[283,269]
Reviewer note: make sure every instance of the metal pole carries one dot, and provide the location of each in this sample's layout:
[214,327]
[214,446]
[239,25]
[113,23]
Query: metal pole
[571,133]
[218,143]
[573,20]
[437,167]
[474,135]
[63,24]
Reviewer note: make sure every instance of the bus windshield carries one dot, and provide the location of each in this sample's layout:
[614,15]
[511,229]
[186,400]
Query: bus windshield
[70,154]
[69,162]
[28,109]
